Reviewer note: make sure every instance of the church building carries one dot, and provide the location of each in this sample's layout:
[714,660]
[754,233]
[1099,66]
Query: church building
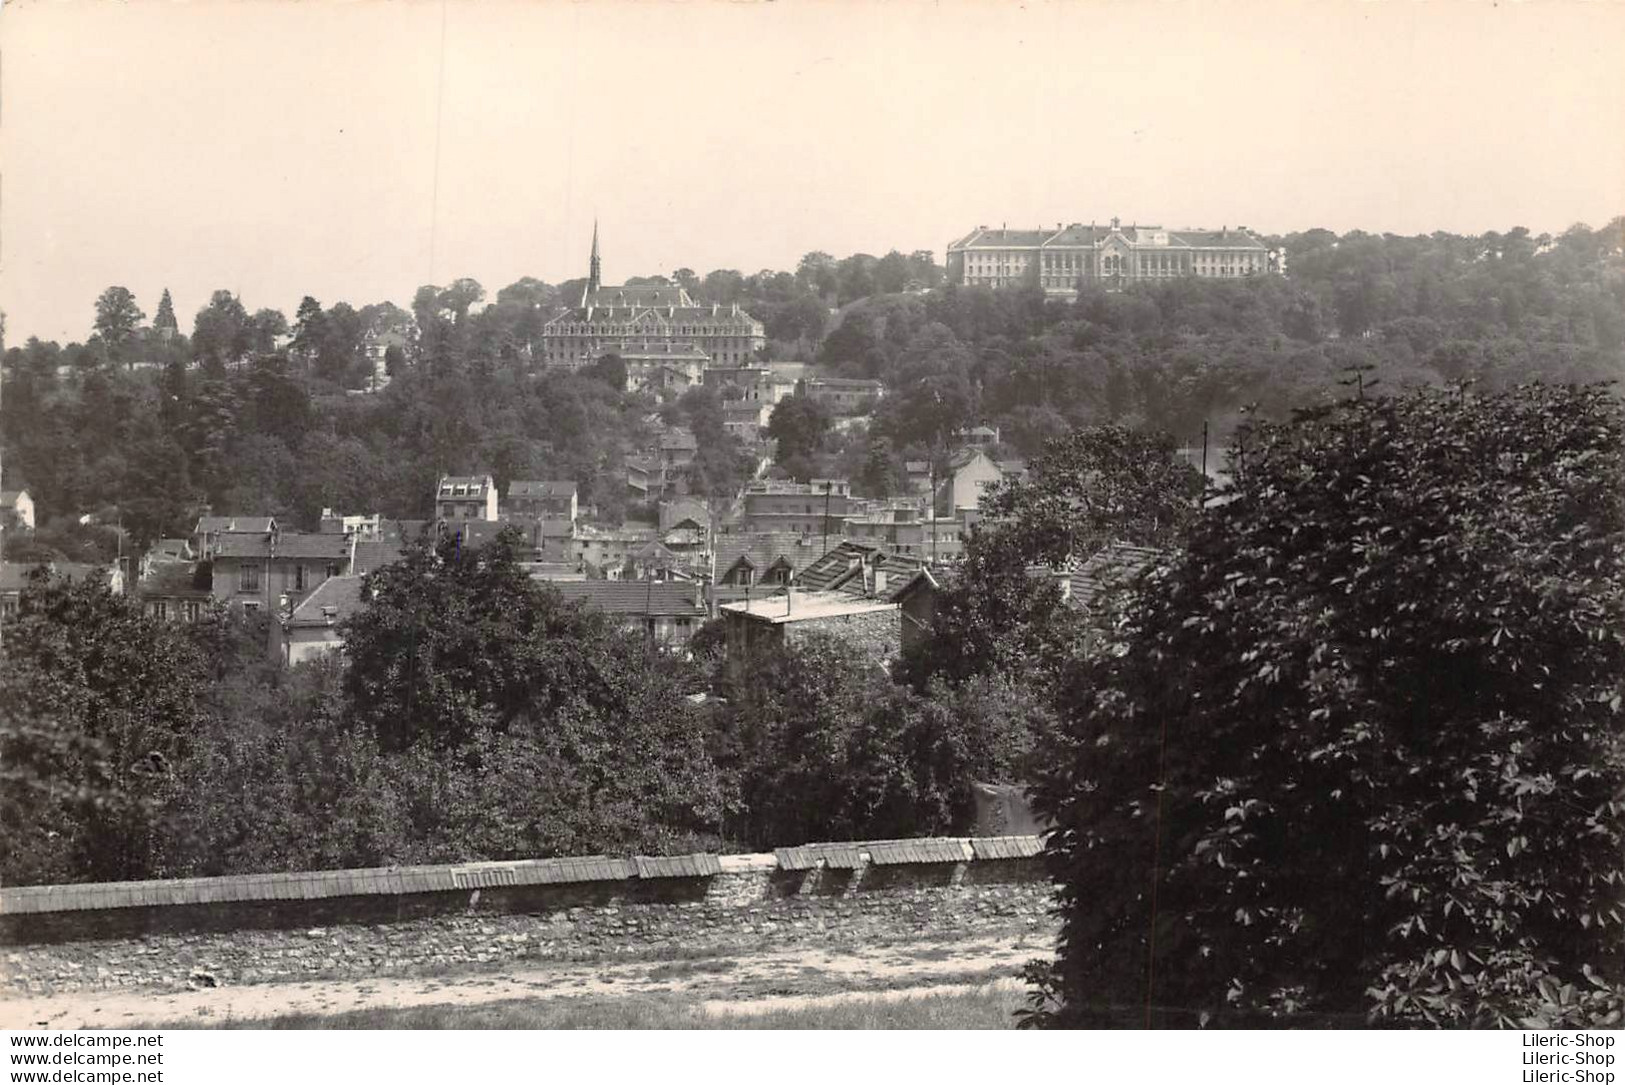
[649,326]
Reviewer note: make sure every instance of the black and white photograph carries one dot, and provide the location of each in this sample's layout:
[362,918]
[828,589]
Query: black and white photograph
[810,515]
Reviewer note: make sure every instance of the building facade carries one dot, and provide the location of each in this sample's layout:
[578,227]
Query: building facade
[1063,260]
[816,508]
[469,497]
[647,322]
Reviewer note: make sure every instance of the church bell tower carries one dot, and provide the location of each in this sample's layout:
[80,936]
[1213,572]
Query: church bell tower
[594,268]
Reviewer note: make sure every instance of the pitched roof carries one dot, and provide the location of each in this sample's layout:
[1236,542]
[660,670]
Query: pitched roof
[471,487]
[334,600]
[170,579]
[658,598]
[840,564]
[675,440]
[286,544]
[523,488]
[251,525]
[640,297]
[370,555]
[675,512]
[799,606]
[1112,566]
[762,548]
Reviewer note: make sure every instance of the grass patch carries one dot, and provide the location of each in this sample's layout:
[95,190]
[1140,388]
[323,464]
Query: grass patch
[988,1007]
[683,969]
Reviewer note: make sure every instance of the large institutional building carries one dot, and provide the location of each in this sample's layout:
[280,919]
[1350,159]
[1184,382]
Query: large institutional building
[649,327]
[1063,259]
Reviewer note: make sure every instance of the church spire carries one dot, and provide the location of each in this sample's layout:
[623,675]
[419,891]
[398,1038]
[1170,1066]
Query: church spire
[594,277]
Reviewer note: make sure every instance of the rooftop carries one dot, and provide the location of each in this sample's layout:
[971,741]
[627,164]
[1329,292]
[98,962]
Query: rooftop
[334,600]
[251,525]
[657,598]
[797,606]
[524,488]
[288,544]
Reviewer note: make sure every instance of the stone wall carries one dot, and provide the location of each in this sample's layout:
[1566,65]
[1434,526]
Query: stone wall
[745,902]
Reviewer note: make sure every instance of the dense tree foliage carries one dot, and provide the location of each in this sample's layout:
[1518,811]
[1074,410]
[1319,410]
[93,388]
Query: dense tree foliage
[1090,487]
[820,744]
[1354,753]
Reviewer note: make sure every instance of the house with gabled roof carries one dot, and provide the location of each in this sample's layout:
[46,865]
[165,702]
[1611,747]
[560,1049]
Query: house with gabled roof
[16,505]
[544,499]
[210,529]
[466,497]
[175,591]
[272,572]
[667,612]
[312,628]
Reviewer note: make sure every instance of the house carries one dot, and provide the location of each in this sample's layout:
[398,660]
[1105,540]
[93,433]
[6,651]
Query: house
[979,436]
[466,497]
[766,623]
[661,368]
[755,383]
[312,627]
[277,569]
[904,531]
[16,505]
[174,591]
[844,395]
[667,612]
[751,561]
[745,419]
[918,476]
[209,530]
[818,507]
[690,513]
[970,472]
[362,527]
[1086,584]
[545,500]
[610,549]
[677,448]
[370,555]
[171,550]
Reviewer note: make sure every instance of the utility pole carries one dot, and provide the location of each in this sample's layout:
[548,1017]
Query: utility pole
[825,548]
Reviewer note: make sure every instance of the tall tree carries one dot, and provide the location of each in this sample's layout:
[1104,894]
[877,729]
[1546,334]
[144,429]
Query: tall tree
[117,316]
[1356,754]
[165,323]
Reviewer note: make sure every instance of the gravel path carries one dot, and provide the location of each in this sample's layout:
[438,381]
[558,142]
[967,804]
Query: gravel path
[754,982]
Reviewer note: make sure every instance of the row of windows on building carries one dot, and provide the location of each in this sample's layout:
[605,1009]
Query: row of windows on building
[250,578]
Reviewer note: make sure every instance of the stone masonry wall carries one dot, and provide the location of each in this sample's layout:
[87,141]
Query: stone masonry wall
[752,903]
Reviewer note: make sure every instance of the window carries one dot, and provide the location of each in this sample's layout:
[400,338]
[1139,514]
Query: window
[160,610]
[251,606]
[248,578]
[298,578]
[192,611]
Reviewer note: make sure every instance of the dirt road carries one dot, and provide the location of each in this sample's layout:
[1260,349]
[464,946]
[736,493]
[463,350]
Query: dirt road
[725,984]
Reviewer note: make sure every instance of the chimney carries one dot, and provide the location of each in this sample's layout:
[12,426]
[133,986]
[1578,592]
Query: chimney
[880,582]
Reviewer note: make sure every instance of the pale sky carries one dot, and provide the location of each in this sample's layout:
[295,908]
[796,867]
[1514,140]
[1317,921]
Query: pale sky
[355,150]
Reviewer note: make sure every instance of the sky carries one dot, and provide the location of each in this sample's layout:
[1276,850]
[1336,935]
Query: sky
[356,150]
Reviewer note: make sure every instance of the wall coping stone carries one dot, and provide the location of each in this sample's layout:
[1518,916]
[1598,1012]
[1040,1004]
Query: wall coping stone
[401,881]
